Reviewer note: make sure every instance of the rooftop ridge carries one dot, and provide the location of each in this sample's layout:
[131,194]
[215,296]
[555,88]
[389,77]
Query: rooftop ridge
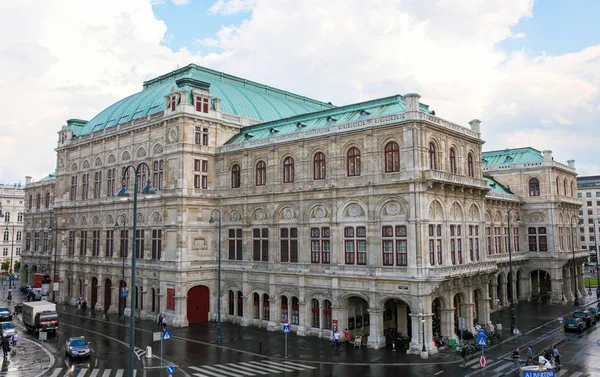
[225,76]
[512,150]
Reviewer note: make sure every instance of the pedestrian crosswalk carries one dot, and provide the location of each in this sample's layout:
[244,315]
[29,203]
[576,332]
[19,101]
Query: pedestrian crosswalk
[501,367]
[250,368]
[84,372]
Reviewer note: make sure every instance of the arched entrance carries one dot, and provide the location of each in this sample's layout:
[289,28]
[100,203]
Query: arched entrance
[457,303]
[436,320]
[198,304]
[541,284]
[107,294]
[476,311]
[94,298]
[396,320]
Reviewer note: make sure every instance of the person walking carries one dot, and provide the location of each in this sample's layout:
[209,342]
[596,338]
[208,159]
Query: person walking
[336,338]
[14,339]
[160,321]
[347,337]
[556,355]
[529,356]
[5,346]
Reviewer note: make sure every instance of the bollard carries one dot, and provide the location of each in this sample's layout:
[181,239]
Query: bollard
[393,345]
[148,352]
[260,346]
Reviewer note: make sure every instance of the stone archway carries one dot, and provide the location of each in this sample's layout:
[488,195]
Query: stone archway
[107,294]
[397,322]
[94,298]
[541,284]
[357,316]
[458,303]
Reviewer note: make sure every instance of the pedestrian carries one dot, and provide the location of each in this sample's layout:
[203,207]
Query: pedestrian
[556,355]
[5,346]
[160,321]
[463,354]
[347,337]
[164,325]
[549,354]
[336,338]
[598,293]
[529,356]
[15,338]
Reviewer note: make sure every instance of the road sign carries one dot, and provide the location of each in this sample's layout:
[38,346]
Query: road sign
[156,336]
[170,369]
[43,335]
[482,361]
[55,287]
[124,292]
[462,323]
[286,328]
[166,335]
[482,341]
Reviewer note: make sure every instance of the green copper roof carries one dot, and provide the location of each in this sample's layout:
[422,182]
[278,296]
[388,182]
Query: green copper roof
[48,177]
[511,156]
[238,97]
[342,114]
[495,186]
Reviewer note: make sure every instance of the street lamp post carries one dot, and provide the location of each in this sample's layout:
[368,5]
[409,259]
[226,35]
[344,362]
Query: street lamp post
[211,221]
[10,268]
[513,318]
[576,302]
[123,253]
[423,328]
[50,228]
[124,194]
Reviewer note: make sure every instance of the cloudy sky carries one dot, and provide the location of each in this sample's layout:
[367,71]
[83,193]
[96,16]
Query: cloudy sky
[530,70]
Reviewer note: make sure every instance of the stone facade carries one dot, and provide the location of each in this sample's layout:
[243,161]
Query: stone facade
[378,224]
[588,190]
[12,199]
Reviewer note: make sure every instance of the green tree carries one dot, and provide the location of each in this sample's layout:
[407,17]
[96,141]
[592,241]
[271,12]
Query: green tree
[5,265]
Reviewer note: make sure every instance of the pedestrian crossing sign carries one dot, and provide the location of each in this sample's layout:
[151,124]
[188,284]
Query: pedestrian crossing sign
[166,335]
[482,342]
[286,328]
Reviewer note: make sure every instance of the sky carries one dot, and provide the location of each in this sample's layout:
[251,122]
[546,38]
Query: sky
[529,70]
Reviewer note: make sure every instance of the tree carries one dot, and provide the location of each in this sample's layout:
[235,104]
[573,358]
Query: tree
[17,266]
[5,265]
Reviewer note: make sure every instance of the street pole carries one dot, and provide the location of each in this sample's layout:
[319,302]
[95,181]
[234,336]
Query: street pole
[576,302]
[124,194]
[218,340]
[423,327]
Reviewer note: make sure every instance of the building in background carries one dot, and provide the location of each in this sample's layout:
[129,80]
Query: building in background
[379,216]
[588,190]
[12,205]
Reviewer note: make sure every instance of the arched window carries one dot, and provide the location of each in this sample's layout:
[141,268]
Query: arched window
[284,309]
[261,173]
[6,235]
[319,166]
[432,157]
[20,216]
[470,169]
[231,303]
[557,186]
[38,201]
[534,187]
[7,217]
[266,310]
[235,176]
[47,200]
[256,306]
[288,170]
[314,308]
[353,162]
[572,189]
[392,157]
[452,161]
[565,187]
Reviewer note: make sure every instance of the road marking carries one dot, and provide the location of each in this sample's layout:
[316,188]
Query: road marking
[94,372]
[119,372]
[576,374]
[300,365]
[236,370]
[82,372]
[276,367]
[262,367]
[472,362]
[199,374]
[254,370]
[279,365]
[508,364]
[562,373]
[440,372]
[225,372]
[106,373]
[211,373]
[56,372]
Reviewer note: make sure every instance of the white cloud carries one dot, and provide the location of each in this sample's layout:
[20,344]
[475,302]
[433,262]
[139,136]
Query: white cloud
[180,2]
[72,59]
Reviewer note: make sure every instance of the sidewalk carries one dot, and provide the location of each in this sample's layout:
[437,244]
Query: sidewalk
[533,320]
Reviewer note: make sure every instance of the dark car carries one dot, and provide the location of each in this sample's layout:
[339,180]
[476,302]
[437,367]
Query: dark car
[586,316]
[5,314]
[77,347]
[19,308]
[574,324]
[595,312]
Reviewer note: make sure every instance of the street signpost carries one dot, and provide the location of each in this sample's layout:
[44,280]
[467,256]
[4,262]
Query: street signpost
[482,341]
[170,370]
[286,330]
[166,335]
[482,361]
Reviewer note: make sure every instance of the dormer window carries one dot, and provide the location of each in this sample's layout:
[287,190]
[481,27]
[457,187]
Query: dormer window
[331,119]
[137,114]
[173,102]
[123,119]
[300,125]
[202,104]
[111,123]
[364,113]
[248,136]
[273,130]
[97,127]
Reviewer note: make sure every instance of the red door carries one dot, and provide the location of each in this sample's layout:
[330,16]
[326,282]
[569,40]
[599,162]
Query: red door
[198,304]
[94,293]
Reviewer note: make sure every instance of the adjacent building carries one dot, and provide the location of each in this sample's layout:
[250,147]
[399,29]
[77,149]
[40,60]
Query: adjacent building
[378,216]
[588,190]
[12,205]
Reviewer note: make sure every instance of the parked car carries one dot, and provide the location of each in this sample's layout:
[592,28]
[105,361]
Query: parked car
[19,308]
[5,314]
[586,316]
[595,312]
[77,347]
[574,324]
[8,329]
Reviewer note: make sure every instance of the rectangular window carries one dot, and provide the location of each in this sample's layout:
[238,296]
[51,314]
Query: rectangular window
[97,183]
[205,182]
[36,241]
[198,135]
[260,244]
[18,251]
[320,245]
[157,174]
[537,239]
[205,136]
[498,239]
[95,243]
[141,178]
[73,193]
[435,244]
[110,243]
[588,194]
[156,244]
[355,245]
[5,252]
[85,185]
[516,246]
[110,184]
[71,242]
[204,166]
[124,244]
[202,104]
[45,242]
[197,164]
[235,244]
[170,299]
[455,244]
[394,245]
[139,243]
[289,244]
[83,242]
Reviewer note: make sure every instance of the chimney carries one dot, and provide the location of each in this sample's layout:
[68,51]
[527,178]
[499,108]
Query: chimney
[475,125]
[547,155]
[217,104]
[412,101]
[571,164]
[27,180]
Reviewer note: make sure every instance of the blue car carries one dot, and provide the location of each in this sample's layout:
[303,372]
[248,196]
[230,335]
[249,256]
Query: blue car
[77,347]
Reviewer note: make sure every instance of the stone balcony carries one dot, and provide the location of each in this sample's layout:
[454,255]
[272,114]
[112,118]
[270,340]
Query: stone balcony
[449,179]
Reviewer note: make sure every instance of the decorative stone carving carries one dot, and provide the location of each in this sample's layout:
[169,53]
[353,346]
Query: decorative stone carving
[435,211]
[288,214]
[98,162]
[112,159]
[158,149]
[96,220]
[156,217]
[86,164]
[320,212]
[140,218]
[235,216]
[141,153]
[74,167]
[173,134]
[83,221]
[392,209]
[61,163]
[261,215]
[126,156]
[354,210]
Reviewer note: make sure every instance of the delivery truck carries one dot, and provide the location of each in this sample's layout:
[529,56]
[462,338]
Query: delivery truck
[40,316]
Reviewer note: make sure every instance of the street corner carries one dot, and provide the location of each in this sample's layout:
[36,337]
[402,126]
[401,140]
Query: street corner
[28,358]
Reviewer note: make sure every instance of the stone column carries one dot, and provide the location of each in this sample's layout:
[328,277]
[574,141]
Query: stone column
[503,293]
[447,323]
[180,319]
[580,281]
[376,335]
[494,295]
[525,288]
[484,312]
[321,318]
[556,294]
[466,310]
[303,321]
[114,303]
[568,291]
[274,316]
